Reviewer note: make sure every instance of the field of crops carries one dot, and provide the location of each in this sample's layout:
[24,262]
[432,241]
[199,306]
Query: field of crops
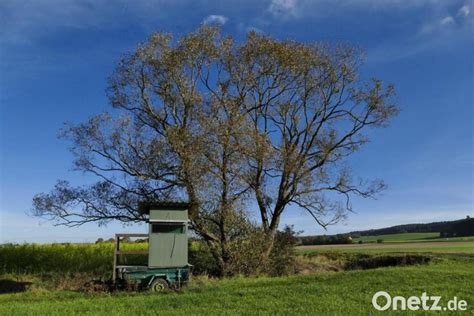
[65,258]
[98,258]
[458,247]
[409,237]
[405,237]
[399,243]
[340,293]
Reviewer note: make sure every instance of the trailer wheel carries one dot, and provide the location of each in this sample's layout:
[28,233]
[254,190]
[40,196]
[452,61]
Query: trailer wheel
[159,285]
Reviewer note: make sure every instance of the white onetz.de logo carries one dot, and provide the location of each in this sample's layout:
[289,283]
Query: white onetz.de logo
[382,301]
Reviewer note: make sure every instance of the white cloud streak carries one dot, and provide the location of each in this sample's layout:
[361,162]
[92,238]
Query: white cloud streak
[285,8]
[464,11]
[447,20]
[216,19]
[25,21]
[310,8]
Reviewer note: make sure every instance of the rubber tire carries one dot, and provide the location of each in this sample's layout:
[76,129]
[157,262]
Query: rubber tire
[159,285]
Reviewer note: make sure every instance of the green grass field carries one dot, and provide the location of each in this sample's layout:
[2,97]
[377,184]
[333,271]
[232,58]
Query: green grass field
[340,293]
[409,247]
[405,237]
[410,237]
[400,243]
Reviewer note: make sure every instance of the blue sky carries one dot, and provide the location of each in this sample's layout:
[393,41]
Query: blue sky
[55,57]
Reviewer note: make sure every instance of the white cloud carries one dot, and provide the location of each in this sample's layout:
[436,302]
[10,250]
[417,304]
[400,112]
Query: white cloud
[24,21]
[28,20]
[305,8]
[447,20]
[283,7]
[216,19]
[464,11]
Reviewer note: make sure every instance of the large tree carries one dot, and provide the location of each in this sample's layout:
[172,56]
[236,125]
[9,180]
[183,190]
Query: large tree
[227,127]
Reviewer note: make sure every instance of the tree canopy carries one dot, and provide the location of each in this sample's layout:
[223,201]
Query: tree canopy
[231,127]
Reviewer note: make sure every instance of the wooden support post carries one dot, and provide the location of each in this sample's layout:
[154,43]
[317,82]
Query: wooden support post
[116,245]
[117,251]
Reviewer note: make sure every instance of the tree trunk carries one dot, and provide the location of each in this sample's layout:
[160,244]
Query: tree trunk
[270,235]
[221,255]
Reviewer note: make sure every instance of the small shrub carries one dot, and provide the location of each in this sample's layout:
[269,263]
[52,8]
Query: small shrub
[319,262]
[283,256]
[200,257]
[325,240]
[246,255]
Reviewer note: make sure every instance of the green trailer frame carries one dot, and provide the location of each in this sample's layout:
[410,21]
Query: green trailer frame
[143,277]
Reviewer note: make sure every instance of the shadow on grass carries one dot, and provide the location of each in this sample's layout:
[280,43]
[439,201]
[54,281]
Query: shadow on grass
[10,286]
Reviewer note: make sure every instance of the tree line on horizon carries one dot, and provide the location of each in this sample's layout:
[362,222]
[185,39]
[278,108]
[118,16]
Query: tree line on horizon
[457,228]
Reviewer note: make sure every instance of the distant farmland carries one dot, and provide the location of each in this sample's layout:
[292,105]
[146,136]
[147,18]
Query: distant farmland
[405,237]
[410,237]
[400,243]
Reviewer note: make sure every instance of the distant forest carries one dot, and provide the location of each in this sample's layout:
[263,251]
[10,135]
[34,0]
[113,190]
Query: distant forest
[442,227]
[457,228]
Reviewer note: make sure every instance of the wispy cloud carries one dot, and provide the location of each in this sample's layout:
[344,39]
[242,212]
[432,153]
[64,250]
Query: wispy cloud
[24,21]
[447,21]
[441,26]
[464,11]
[216,19]
[311,8]
[285,8]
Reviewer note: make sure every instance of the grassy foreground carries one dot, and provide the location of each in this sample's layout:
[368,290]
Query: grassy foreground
[340,293]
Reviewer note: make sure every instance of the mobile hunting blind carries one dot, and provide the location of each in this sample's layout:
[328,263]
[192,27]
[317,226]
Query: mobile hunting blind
[168,241]
[167,249]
